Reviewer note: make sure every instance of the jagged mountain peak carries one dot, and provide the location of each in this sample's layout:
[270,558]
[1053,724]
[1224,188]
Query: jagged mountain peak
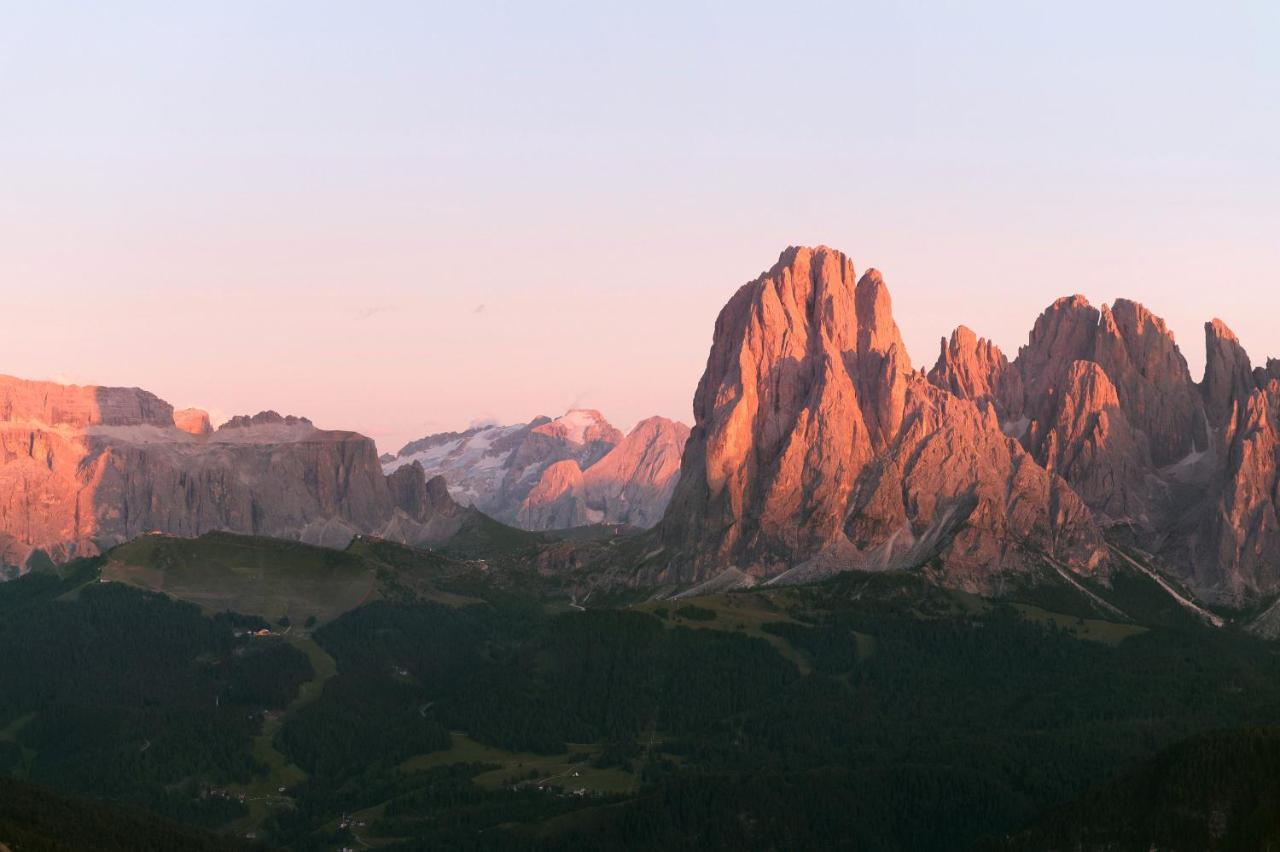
[815,446]
[580,426]
[549,473]
[264,418]
[973,367]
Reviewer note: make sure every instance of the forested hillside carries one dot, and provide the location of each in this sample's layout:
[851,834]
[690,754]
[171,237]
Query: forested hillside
[452,707]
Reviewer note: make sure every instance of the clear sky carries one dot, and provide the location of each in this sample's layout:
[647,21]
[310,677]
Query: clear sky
[403,217]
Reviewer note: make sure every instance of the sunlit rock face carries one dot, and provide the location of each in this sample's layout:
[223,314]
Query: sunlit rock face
[193,420]
[1235,550]
[973,367]
[85,468]
[1184,470]
[816,448]
[569,471]
[633,482]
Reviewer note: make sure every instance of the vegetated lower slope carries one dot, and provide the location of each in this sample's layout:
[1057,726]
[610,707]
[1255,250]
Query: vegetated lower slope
[37,819]
[132,696]
[246,574]
[459,707]
[275,579]
[1214,791]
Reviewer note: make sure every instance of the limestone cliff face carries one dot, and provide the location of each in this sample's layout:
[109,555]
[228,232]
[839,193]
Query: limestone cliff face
[1234,553]
[557,501]
[426,514]
[85,468]
[1228,377]
[816,448]
[193,420]
[75,407]
[632,484]
[1187,470]
[1091,444]
[974,368]
[1153,386]
[1135,350]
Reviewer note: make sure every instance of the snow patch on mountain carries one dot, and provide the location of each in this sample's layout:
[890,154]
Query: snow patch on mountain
[497,468]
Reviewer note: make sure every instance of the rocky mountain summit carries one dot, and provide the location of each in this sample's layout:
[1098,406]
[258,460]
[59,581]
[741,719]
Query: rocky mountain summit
[569,471]
[85,468]
[817,447]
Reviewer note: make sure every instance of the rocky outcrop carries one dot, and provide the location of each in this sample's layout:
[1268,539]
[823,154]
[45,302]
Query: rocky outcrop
[1107,402]
[1189,471]
[581,427]
[426,513]
[194,421]
[817,448]
[1153,385]
[1140,359]
[557,501]
[1242,533]
[1090,443]
[76,407]
[85,468]
[1228,377]
[974,368]
[632,484]
[569,471]
[1234,555]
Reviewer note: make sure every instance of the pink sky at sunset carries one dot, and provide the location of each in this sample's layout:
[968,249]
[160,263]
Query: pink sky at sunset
[404,223]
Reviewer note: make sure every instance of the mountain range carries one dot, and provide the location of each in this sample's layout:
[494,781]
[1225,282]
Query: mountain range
[574,470]
[85,468]
[817,447]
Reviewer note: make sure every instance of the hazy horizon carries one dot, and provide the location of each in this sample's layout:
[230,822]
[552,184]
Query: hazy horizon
[406,220]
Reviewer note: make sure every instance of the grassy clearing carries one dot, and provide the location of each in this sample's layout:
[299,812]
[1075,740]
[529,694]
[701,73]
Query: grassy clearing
[263,793]
[744,613]
[571,770]
[1092,629]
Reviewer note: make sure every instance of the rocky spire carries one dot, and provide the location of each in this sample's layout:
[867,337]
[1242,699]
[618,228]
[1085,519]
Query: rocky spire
[1153,385]
[973,367]
[816,443]
[1228,376]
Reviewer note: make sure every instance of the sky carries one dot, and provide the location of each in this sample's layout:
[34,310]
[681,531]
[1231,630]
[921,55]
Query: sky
[404,218]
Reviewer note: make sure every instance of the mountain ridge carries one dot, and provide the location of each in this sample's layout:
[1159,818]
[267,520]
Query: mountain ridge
[552,473]
[811,422]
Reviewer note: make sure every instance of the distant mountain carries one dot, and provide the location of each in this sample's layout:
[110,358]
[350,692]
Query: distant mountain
[85,468]
[817,447]
[573,470]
